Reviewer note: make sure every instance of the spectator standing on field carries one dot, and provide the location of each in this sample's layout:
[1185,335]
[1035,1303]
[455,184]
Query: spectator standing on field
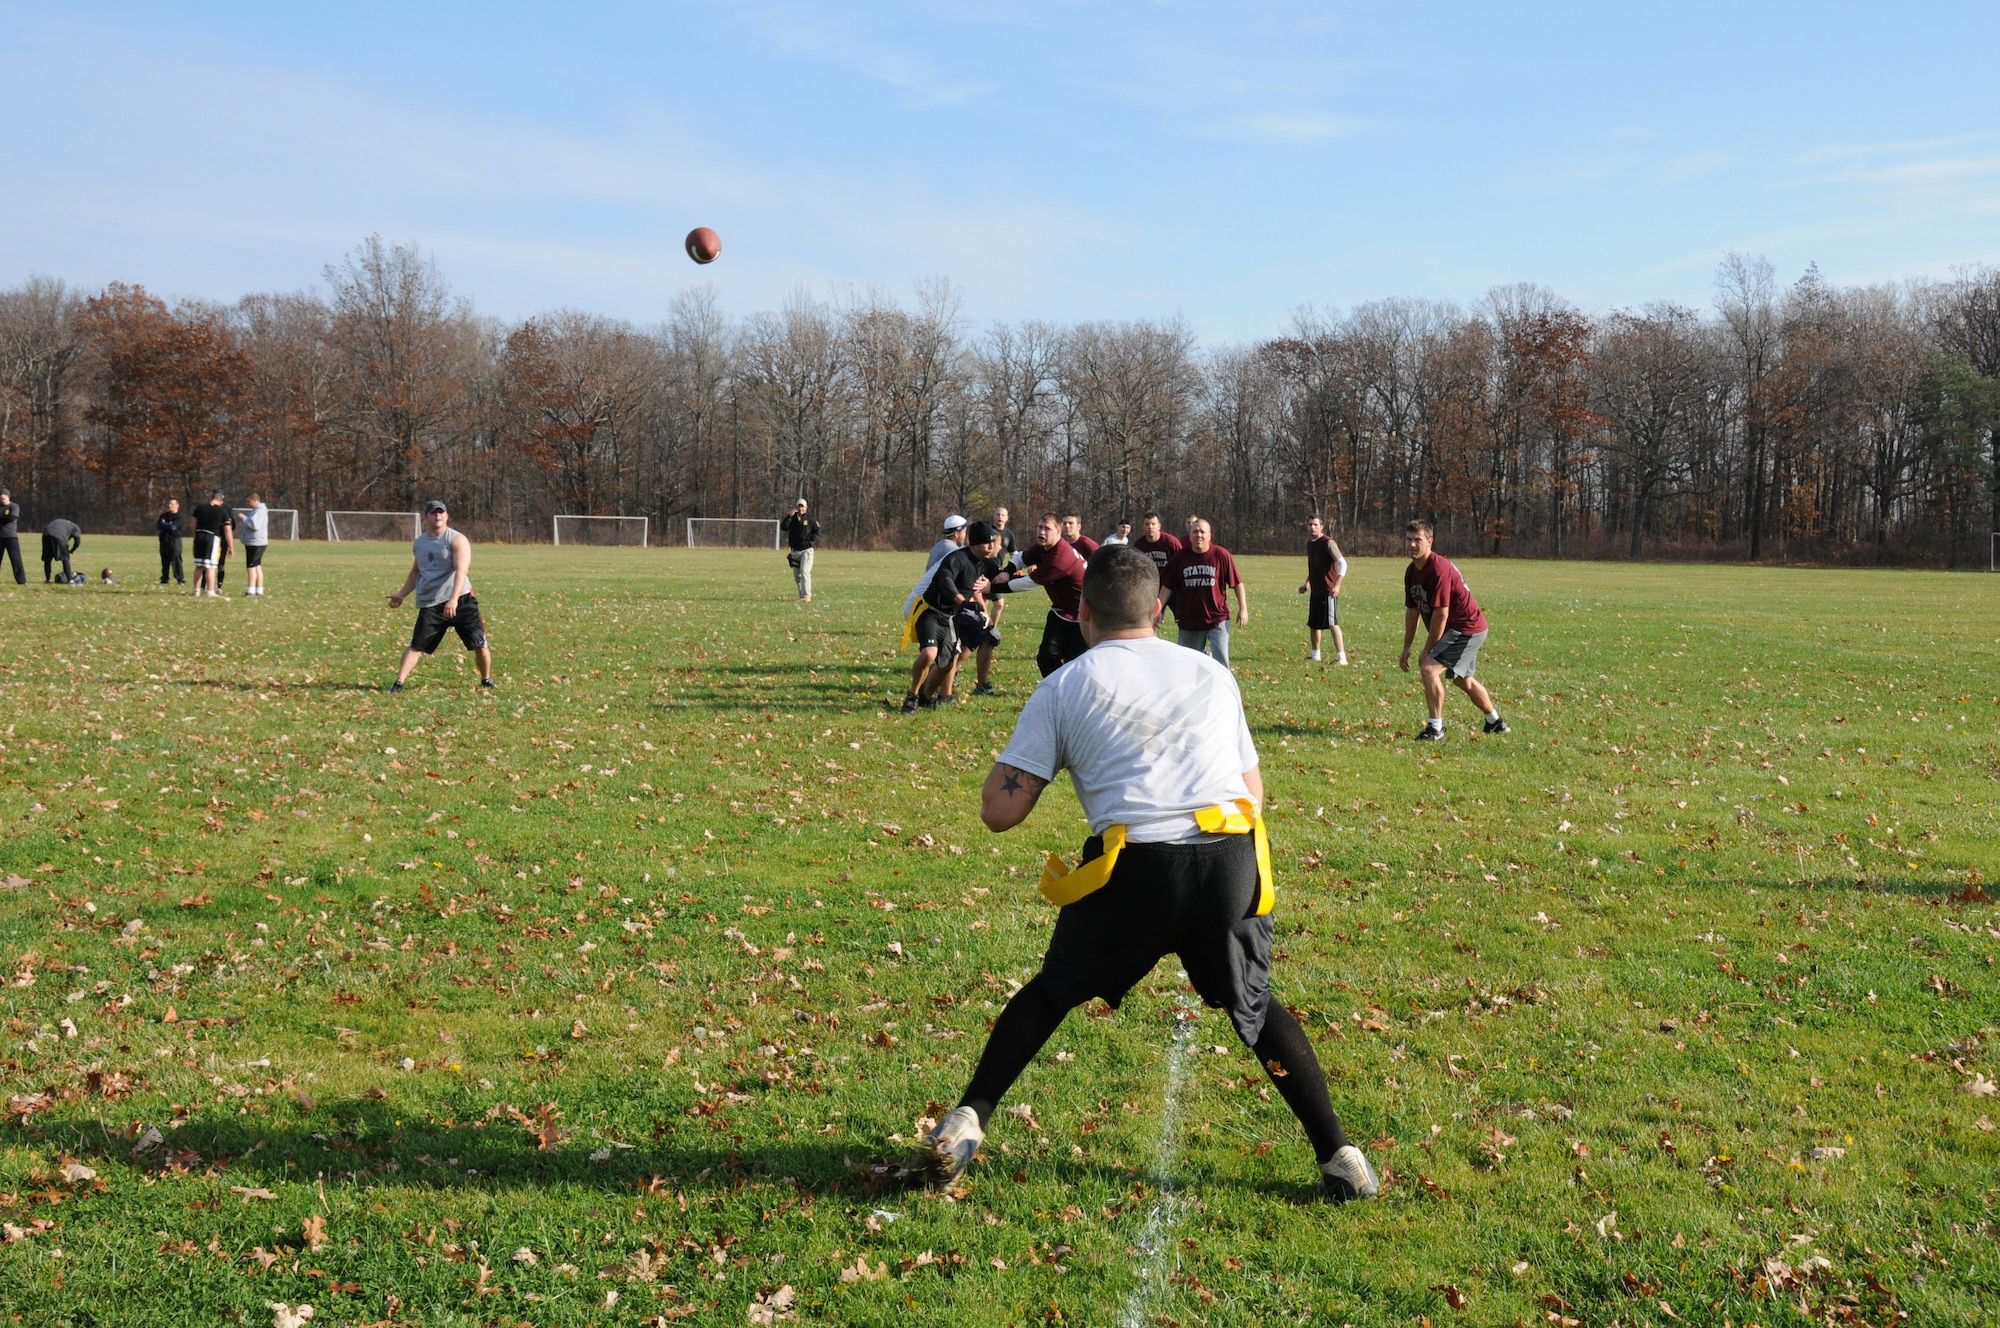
[1326,568]
[256,526]
[1122,535]
[1161,759]
[1435,594]
[802,534]
[1155,542]
[59,540]
[170,527]
[1200,578]
[441,574]
[1072,529]
[214,529]
[10,535]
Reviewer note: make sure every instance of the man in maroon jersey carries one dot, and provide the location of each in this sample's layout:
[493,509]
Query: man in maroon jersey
[1056,567]
[1155,543]
[1326,568]
[1072,530]
[1199,579]
[1434,593]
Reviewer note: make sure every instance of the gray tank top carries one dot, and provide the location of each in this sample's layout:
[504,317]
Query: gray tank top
[434,569]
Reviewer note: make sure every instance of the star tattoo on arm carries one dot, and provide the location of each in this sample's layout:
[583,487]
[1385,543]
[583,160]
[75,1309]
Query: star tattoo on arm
[1012,783]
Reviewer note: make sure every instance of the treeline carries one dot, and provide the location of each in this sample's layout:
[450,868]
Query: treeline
[1809,422]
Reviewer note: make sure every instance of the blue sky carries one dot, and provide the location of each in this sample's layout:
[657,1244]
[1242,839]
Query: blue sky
[1226,162]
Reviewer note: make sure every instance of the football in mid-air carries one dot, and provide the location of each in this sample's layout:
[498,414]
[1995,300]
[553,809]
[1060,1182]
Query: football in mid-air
[703,245]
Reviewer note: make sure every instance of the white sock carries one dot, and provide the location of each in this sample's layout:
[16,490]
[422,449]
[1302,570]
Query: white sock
[1437,724]
[1315,654]
[1492,715]
[1341,658]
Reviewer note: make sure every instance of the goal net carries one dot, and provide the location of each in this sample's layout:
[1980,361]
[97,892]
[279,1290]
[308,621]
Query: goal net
[731,532]
[628,531]
[284,521]
[373,525]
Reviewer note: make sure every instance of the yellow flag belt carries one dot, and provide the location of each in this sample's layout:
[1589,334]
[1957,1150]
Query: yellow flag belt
[1060,885]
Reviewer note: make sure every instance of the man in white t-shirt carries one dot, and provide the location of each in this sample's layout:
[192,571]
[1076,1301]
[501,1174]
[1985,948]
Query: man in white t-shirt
[1160,756]
[256,527]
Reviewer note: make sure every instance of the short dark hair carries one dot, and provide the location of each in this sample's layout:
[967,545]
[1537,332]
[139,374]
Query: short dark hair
[1122,587]
[1420,527]
[1150,516]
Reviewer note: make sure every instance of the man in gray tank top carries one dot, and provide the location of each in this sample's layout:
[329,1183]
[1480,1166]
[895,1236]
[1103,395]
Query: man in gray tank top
[441,576]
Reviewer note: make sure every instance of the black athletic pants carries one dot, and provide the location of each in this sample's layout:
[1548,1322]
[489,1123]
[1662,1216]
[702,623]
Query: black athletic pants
[53,549]
[1062,641]
[170,560]
[11,545]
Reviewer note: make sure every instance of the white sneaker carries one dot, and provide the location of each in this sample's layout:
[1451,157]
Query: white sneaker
[1346,1175]
[949,1149]
[1312,655]
[1341,658]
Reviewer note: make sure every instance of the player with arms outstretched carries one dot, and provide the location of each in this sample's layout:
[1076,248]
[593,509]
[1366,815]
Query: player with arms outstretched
[1160,756]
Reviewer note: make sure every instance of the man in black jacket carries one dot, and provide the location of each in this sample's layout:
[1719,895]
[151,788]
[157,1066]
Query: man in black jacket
[802,533]
[59,540]
[10,534]
[169,528]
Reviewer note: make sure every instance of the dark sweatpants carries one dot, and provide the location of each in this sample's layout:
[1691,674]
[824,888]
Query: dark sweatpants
[53,550]
[170,561]
[11,546]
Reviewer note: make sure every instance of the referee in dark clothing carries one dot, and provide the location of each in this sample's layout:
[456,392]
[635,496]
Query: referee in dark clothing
[10,534]
[59,540]
[802,533]
[169,528]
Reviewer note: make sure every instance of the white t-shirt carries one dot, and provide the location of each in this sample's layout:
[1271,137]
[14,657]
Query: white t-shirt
[1150,732]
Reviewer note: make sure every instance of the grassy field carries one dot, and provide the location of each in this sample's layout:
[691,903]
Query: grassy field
[598,1000]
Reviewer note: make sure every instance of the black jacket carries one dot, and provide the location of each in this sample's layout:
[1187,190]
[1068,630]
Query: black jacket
[10,520]
[169,526]
[801,532]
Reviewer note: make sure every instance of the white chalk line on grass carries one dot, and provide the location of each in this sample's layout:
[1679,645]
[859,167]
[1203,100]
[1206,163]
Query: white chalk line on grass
[1155,1237]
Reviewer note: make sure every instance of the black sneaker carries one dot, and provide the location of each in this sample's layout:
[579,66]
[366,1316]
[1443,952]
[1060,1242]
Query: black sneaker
[983,689]
[1429,734]
[488,682]
[927,702]
[910,704]
[1347,1177]
[1496,726]
[395,687]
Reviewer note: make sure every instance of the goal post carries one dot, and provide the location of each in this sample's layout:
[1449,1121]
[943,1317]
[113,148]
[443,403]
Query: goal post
[628,531]
[284,521]
[732,532]
[373,525]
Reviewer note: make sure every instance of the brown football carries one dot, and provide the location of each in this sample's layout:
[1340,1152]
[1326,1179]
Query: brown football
[703,245]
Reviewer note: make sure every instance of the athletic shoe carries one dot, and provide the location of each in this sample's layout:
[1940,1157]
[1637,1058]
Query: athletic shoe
[488,682]
[1429,734]
[949,1148]
[1341,660]
[983,689]
[1496,726]
[910,704]
[395,687]
[1313,655]
[927,702]
[1346,1176]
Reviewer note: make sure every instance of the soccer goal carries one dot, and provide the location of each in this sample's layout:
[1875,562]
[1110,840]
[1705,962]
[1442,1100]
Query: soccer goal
[373,525]
[731,532]
[629,531]
[284,521]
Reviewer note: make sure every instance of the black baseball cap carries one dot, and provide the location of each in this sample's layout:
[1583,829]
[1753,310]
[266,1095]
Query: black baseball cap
[435,505]
[982,532]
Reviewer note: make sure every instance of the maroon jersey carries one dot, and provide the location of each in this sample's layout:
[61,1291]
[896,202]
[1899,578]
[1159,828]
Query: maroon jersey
[1057,569]
[1159,550]
[1199,584]
[1084,545]
[1322,566]
[1437,584]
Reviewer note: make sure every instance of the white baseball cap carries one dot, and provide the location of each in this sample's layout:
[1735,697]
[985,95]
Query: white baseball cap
[953,522]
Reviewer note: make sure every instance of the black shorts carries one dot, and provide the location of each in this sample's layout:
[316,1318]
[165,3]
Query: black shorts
[934,631]
[253,555]
[1323,613]
[1062,641]
[207,548]
[973,631]
[1191,900]
[432,625]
